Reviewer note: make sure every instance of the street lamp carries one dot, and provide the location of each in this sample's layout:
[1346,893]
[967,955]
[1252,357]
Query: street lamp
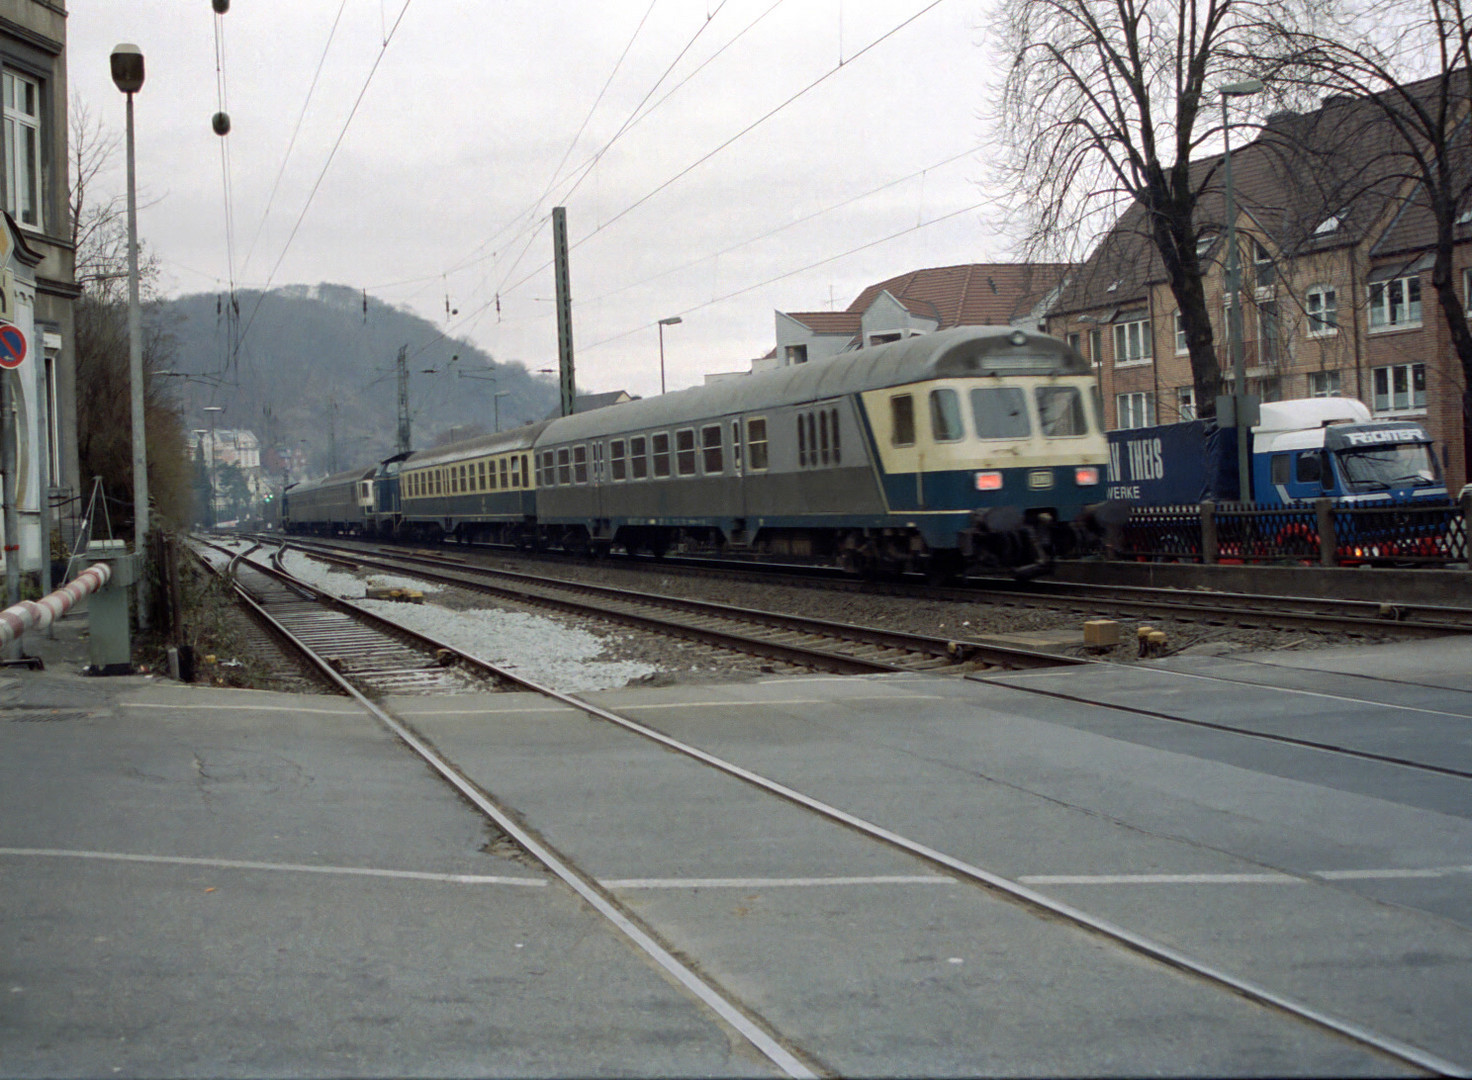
[1240,401]
[213,410]
[127,76]
[671,321]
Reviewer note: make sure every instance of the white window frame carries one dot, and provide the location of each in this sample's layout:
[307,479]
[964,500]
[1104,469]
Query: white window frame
[1133,343]
[1186,402]
[1181,347]
[1323,384]
[1321,311]
[23,149]
[1392,297]
[1135,409]
[1386,373]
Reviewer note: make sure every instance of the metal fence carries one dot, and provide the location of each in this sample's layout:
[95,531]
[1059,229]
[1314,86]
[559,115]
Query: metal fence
[1321,533]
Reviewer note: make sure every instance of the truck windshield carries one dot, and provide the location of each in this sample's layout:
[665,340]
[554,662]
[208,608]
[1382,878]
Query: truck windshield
[1386,467]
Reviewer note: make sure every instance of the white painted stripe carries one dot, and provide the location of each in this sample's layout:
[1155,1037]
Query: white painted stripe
[1162,879]
[844,702]
[298,868]
[1372,875]
[770,883]
[243,707]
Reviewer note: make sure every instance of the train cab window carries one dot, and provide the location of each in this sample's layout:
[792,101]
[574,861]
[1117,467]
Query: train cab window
[638,458]
[618,464]
[833,428]
[1310,468]
[945,416]
[902,420]
[685,451]
[579,464]
[756,443]
[1280,467]
[1061,411]
[710,450]
[1000,412]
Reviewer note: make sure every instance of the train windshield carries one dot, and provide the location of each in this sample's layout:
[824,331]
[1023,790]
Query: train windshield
[1381,468]
[1061,409]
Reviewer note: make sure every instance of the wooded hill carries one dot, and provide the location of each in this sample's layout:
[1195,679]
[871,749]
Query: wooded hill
[314,368]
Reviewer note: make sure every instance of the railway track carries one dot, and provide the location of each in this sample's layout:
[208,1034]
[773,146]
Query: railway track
[817,644]
[377,656]
[739,1014]
[1214,608]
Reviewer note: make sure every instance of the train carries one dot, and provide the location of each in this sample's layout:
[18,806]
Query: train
[964,450]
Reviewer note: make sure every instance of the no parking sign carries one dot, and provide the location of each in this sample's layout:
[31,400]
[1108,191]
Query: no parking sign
[12,346]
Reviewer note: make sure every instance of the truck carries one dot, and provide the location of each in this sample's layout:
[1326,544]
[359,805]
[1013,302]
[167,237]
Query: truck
[1300,450]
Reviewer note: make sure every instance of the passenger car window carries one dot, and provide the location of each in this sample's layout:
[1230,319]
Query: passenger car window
[1000,412]
[1061,411]
[685,451]
[638,462]
[710,449]
[756,443]
[661,448]
[902,420]
[617,464]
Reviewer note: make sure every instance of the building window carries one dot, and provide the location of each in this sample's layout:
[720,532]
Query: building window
[1186,402]
[1267,332]
[1181,346]
[797,354]
[1323,384]
[1396,302]
[1075,342]
[23,149]
[1400,388]
[1263,272]
[1134,410]
[1096,347]
[1132,342]
[756,443]
[1321,305]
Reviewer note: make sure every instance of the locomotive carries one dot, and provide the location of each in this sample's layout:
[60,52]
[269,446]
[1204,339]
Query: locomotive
[969,449]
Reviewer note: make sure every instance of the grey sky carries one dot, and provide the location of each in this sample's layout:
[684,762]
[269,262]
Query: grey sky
[436,189]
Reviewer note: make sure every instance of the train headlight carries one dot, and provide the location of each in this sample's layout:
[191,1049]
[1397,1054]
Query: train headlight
[1086,475]
[988,481]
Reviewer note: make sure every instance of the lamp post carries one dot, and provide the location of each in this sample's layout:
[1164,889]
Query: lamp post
[213,410]
[671,321]
[127,76]
[1240,401]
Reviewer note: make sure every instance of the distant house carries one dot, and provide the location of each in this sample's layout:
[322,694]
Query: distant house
[919,302]
[589,402]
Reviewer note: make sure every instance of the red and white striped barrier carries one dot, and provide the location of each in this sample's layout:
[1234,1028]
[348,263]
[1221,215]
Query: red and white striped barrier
[39,614]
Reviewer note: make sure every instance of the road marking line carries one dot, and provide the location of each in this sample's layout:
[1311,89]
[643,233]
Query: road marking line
[1162,879]
[240,708]
[770,883]
[1373,875]
[239,864]
[836,702]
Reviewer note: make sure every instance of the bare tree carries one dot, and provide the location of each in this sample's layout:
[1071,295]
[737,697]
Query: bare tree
[1411,67]
[1104,106]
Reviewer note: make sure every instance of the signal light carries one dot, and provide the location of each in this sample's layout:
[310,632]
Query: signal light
[988,481]
[1086,475]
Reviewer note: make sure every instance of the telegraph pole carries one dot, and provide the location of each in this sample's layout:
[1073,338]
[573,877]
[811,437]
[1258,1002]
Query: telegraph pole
[402,366]
[564,308]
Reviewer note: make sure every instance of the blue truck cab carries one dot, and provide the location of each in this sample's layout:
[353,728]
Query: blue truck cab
[1333,448]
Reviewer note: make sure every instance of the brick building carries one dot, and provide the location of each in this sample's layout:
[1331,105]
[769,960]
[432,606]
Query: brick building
[1336,258]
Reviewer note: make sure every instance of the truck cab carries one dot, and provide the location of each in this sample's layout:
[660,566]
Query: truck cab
[1334,448]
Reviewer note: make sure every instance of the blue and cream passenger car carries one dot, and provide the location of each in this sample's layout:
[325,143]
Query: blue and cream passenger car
[477,489]
[967,448]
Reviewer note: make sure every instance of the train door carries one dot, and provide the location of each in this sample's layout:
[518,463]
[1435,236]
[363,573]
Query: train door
[599,478]
[738,462]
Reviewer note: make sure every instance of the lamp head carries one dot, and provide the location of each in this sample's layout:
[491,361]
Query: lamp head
[127,68]
[1241,89]
[671,321]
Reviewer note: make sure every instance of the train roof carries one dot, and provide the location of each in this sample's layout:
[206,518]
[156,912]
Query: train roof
[502,442]
[350,476]
[961,351]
